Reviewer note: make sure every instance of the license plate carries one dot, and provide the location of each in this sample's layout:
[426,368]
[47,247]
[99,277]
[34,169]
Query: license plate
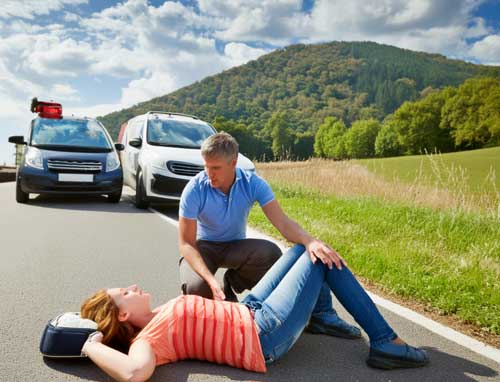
[76,178]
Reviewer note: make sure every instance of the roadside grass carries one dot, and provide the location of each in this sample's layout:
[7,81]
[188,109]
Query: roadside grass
[442,186]
[448,260]
[474,170]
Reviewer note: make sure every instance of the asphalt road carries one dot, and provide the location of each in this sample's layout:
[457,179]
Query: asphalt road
[55,251]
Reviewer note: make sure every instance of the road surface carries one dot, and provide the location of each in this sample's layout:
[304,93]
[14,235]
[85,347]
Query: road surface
[55,251]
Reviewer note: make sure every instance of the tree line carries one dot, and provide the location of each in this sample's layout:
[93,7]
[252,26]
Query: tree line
[450,119]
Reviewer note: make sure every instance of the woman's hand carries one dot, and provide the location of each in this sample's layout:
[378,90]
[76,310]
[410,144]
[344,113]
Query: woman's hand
[319,250]
[97,336]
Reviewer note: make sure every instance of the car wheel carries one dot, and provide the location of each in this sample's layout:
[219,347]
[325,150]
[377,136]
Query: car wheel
[21,196]
[140,193]
[115,197]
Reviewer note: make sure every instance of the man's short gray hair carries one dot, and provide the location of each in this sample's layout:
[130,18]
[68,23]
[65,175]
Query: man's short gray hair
[220,145]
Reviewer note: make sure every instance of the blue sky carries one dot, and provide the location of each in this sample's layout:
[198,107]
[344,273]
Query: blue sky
[100,56]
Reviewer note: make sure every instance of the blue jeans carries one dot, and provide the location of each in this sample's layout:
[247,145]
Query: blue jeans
[284,299]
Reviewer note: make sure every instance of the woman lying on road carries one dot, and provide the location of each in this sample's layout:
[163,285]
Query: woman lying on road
[259,330]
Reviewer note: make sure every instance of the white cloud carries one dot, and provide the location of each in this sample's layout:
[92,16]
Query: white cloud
[70,17]
[92,111]
[60,57]
[432,26]
[66,92]
[28,9]
[275,22]
[487,50]
[239,54]
[146,88]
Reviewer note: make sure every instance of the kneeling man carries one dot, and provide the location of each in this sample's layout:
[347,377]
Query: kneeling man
[213,215]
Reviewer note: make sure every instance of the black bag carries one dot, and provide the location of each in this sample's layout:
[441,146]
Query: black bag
[64,336]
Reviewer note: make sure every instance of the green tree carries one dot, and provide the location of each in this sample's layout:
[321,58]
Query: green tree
[281,134]
[419,124]
[360,138]
[249,144]
[328,142]
[473,113]
[387,142]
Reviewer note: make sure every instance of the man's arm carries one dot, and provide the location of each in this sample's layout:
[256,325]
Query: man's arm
[188,250]
[293,232]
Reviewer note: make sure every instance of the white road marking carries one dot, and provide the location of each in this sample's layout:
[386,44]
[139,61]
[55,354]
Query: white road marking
[435,327]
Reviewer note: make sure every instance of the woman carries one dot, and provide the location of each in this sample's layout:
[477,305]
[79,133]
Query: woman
[248,335]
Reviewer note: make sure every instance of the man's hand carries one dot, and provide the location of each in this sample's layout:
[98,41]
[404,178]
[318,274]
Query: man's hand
[216,290]
[319,250]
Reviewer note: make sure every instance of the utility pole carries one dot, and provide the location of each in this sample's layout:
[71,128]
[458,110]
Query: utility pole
[19,154]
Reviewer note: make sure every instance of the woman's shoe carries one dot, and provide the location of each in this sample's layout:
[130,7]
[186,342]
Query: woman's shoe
[331,324]
[390,355]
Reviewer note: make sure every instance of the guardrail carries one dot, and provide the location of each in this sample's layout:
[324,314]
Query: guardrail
[7,174]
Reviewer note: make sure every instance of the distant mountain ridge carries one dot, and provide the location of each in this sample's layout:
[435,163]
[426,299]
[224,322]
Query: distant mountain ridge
[347,80]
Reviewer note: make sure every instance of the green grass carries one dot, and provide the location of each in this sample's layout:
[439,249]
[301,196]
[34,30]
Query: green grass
[449,261]
[443,169]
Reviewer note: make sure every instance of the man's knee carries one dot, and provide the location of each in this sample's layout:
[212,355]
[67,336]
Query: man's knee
[199,288]
[270,252]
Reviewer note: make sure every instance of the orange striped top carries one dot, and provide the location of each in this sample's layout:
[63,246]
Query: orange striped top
[198,328]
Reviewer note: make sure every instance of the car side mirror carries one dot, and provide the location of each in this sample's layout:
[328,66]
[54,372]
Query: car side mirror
[119,146]
[17,139]
[136,142]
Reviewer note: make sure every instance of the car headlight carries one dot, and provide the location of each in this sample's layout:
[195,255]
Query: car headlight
[112,162]
[34,158]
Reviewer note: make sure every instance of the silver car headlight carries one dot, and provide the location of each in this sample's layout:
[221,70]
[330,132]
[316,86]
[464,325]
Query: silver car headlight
[112,162]
[34,158]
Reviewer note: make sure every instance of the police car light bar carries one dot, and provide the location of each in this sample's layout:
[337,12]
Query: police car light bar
[46,109]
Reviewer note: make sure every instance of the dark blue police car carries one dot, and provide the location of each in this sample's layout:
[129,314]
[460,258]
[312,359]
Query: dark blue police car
[67,155]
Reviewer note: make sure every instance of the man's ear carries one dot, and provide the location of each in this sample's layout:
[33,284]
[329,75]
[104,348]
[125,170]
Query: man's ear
[233,162]
[123,316]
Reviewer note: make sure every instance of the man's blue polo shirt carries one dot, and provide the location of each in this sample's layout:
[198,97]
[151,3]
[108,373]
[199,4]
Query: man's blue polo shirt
[223,217]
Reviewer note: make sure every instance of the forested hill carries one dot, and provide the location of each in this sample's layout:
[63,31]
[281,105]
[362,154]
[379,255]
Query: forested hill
[346,80]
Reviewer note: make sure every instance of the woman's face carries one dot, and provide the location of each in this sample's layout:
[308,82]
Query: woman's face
[130,301]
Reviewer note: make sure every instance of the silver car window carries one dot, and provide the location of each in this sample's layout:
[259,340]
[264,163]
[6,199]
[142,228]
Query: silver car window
[178,133]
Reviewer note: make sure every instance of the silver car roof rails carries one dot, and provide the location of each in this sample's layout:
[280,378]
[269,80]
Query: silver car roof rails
[172,113]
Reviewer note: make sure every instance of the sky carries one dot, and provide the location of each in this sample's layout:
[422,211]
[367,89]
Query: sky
[96,57]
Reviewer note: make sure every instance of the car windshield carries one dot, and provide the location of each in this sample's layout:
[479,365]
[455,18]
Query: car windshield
[178,133]
[86,134]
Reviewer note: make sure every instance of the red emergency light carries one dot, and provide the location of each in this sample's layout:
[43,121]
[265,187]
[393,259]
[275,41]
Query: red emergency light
[46,109]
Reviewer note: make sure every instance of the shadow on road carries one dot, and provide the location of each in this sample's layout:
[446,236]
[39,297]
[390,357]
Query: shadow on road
[84,203]
[314,358]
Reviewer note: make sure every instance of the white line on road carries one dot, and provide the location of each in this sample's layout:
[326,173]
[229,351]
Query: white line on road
[435,327]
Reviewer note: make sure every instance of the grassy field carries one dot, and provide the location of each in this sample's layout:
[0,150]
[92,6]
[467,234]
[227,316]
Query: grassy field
[419,241]
[476,170]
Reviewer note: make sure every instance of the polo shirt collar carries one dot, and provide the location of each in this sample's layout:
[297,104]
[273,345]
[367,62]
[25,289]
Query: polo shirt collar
[238,177]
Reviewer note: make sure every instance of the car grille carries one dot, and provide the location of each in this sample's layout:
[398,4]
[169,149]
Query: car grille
[75,166]
[183,168]
[168,186]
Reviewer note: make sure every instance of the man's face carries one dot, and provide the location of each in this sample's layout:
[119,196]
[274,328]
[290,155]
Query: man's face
[220,171]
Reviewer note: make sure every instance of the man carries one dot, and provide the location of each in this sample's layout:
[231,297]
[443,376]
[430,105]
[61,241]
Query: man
[213,216]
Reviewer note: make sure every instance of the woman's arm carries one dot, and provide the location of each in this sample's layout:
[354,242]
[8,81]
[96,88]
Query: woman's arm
[137,366]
